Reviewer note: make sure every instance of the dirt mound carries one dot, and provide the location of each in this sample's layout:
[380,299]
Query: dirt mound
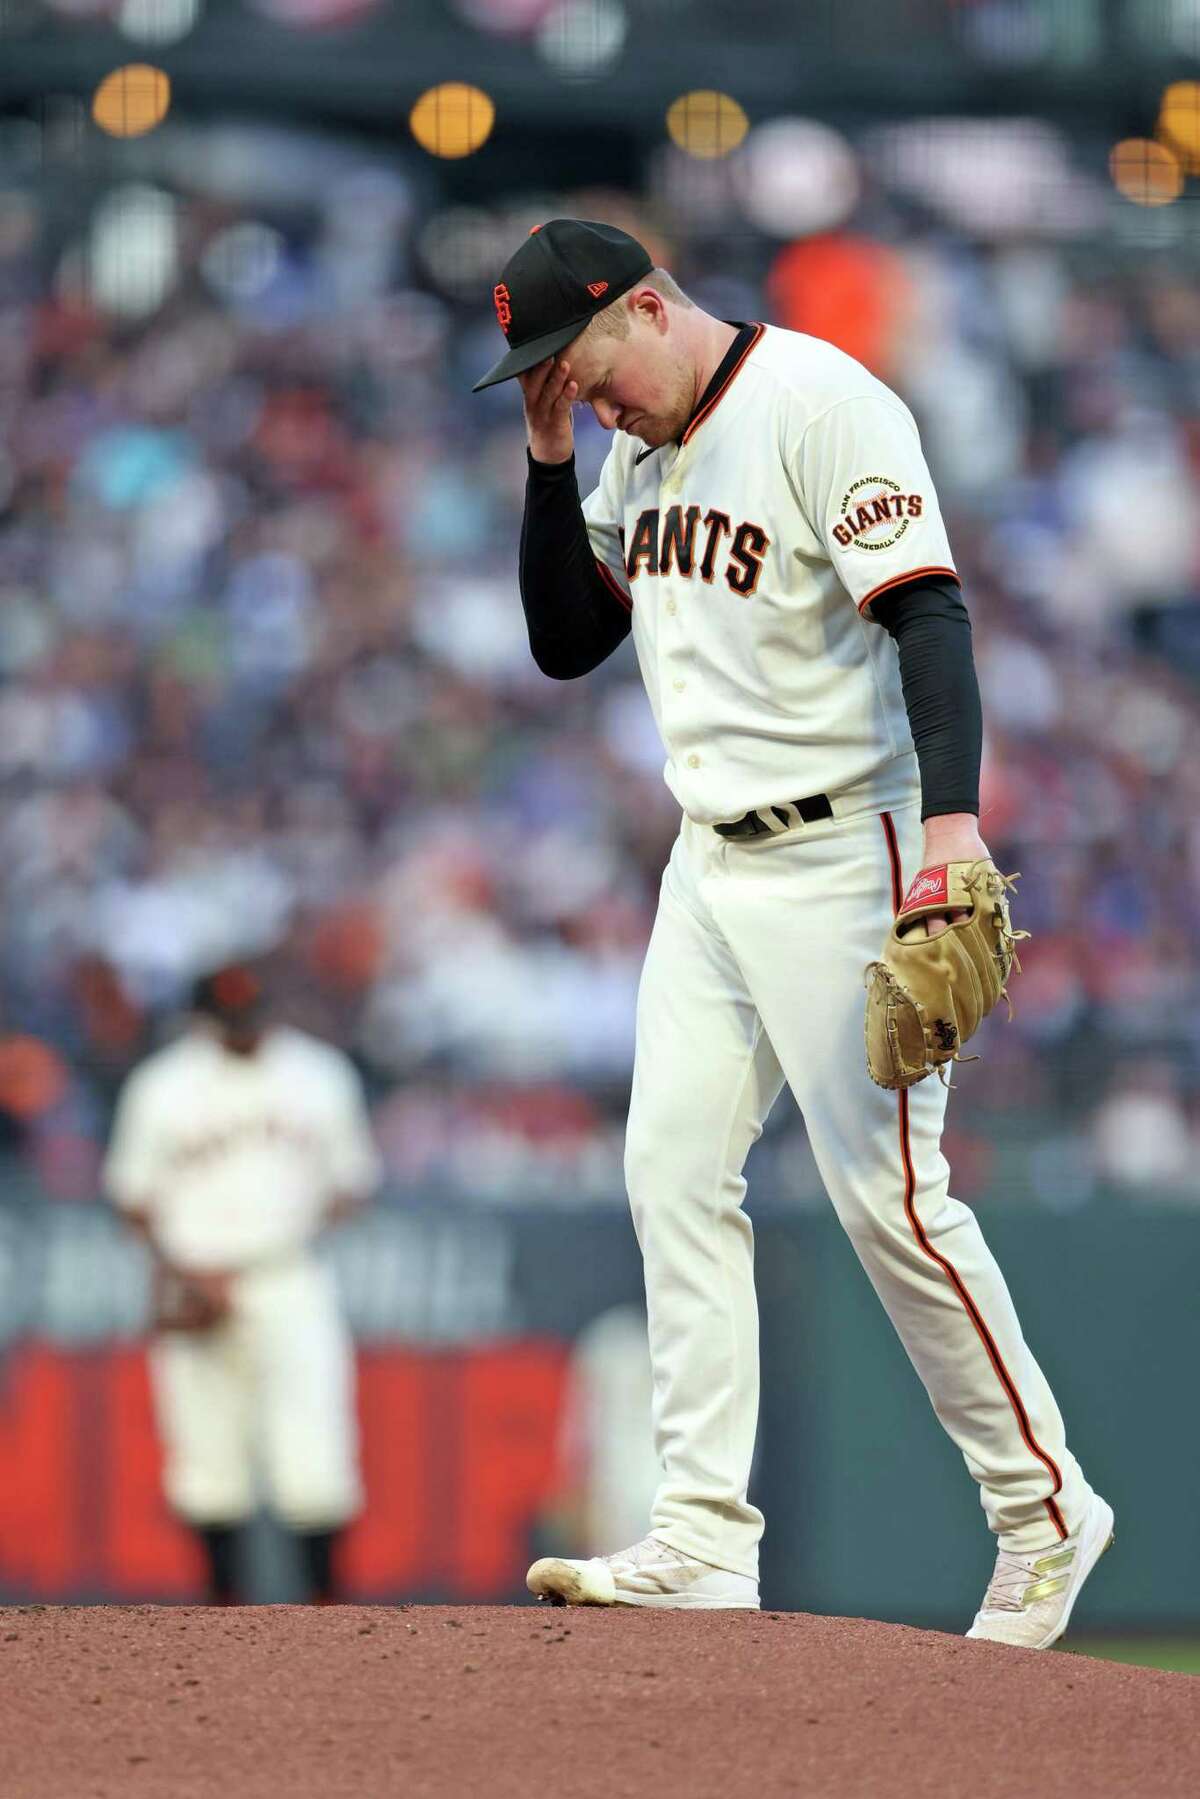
[182,1703]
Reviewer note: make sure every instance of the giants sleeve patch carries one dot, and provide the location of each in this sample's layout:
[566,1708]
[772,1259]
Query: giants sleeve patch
[875,514]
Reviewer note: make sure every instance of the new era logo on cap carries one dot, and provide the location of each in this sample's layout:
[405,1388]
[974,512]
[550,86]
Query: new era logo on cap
[564,273]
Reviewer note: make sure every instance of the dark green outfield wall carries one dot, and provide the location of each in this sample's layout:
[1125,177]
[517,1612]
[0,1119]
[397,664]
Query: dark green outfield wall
[863,1486]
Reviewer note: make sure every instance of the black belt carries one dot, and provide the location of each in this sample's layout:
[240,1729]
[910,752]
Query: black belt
[754,824]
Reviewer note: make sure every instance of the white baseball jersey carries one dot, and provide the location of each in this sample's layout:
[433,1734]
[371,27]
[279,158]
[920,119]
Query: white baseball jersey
[750,553]
[235,1159]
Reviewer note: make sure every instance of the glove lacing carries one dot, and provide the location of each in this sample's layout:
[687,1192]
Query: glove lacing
[1007,959]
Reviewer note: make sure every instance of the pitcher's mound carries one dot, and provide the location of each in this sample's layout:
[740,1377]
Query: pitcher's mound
[447,1702]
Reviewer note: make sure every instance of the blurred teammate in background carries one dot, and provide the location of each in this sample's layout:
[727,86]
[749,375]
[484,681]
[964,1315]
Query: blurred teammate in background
[232,1149]
[607,1465]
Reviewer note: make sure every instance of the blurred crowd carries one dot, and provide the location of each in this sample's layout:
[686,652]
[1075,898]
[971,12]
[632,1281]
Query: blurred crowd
[265,690]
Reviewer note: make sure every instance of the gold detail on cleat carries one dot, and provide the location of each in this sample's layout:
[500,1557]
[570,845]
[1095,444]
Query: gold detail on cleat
[1043,1589]
[1058,1558]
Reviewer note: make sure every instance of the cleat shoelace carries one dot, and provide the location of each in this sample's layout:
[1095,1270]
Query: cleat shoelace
[648,1550]
[1019,1581]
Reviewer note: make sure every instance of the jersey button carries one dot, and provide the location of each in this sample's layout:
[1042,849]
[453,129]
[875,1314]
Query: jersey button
[679,686]
[693,761]
[672,608]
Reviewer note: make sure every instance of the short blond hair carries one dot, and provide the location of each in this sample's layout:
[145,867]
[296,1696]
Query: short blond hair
[614,320]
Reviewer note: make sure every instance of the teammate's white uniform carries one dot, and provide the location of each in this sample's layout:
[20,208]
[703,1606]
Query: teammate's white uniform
[750,553]
[235,1160]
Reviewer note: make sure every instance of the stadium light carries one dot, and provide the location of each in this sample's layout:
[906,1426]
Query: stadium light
[453,119]
[1146,172]
[706,123]
[1179,123]
[132,100]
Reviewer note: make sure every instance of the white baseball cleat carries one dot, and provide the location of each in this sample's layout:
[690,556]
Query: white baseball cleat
[1030,1598]
[651,1573]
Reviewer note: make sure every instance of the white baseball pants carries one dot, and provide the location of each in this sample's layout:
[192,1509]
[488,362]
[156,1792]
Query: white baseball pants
[266,1399]
[754,977]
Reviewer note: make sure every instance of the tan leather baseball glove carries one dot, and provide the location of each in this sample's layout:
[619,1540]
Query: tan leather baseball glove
[927,996]
[189,1302]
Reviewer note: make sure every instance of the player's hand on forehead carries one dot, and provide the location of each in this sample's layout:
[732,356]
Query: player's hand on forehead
[550,391]
[549,383]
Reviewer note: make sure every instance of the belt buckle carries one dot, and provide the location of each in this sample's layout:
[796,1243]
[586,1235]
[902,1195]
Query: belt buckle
[775,821]
[750,824]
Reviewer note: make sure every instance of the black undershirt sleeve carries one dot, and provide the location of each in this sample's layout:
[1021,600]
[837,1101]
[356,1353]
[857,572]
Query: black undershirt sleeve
[932,631]
[574,618]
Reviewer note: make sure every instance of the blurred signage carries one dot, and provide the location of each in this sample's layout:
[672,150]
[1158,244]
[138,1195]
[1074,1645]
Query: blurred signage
[459,1455]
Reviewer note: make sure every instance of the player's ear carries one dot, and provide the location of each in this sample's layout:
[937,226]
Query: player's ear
[647,305]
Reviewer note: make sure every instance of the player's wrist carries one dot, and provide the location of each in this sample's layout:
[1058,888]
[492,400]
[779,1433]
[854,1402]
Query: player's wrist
[551,453]
[952,837]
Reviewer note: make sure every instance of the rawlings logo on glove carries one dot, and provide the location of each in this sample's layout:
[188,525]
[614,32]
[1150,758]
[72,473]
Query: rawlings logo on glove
[930,884]
[927,996]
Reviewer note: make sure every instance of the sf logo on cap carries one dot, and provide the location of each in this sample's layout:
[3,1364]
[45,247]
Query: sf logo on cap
[502,300]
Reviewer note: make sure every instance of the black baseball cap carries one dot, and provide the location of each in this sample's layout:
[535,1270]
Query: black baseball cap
[565,272]
[232,996]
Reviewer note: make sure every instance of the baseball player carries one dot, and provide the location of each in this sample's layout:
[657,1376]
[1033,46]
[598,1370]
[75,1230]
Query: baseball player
[766,527]
[231,1150]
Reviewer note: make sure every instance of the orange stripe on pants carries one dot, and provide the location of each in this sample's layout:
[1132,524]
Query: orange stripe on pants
[947,1267]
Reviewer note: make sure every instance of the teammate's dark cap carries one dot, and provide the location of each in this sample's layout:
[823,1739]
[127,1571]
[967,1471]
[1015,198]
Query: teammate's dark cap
[565,272]
[232,995]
